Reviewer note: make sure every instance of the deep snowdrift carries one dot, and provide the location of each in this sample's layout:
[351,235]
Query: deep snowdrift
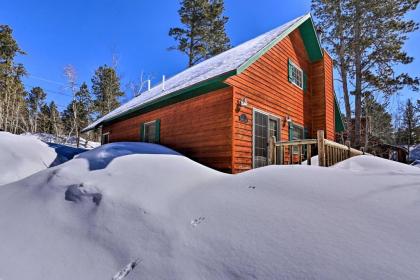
[358,220]
[64,140]
[22,156]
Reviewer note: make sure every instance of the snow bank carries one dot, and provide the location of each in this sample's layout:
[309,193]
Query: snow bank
[22,156]
[64,140]
[181,220]
[415,152]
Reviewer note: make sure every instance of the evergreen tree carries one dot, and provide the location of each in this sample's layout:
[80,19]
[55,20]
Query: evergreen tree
[55,125]
[82,103]
[44,123]
[216,38]
[84,108]
[380,121]
[106,90]
[35,101]
[49,120]
[203,34]
[366,38]
[12,93]
[410,122]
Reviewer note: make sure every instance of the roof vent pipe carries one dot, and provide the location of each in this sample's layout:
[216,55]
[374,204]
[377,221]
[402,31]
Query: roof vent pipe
[148,85]
[163,83]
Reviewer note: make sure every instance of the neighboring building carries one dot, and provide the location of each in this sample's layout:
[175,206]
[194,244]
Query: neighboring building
[222,111]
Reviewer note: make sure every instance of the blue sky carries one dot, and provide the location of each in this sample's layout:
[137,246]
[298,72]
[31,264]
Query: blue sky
[85,33]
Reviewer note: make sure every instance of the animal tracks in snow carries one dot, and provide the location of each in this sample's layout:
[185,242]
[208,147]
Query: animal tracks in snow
[197,221]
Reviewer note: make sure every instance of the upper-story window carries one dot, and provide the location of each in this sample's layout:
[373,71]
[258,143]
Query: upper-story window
[296,75]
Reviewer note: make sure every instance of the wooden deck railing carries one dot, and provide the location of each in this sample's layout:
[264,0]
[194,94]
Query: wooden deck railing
[295,152]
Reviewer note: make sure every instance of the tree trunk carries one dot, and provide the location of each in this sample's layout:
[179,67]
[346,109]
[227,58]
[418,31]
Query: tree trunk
[358,77]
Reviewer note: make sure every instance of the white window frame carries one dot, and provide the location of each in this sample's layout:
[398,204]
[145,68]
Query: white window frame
[292,78]
[270,116]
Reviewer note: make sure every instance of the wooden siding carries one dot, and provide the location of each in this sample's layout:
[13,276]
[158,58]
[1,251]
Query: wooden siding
[323,97]
[329,98]
[199,128]
[265,85]
[207,128]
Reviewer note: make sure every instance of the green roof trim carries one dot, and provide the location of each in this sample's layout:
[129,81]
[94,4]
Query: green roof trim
[339,123]
[310,40]
[175,97]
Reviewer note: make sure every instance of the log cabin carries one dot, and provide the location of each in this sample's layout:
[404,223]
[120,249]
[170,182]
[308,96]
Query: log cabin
[222,111]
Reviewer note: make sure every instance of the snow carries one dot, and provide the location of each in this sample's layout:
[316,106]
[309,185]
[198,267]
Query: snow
[22,156]
[64,140]
[416,163]
[176,219]
[210,68]
[415,152]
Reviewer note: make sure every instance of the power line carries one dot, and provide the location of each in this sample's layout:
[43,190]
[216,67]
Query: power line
[46,80]
[49,91]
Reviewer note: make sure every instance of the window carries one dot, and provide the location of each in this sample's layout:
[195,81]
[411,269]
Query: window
[295,74]
[105,138]
[296,132]
[150,131]
[264,127]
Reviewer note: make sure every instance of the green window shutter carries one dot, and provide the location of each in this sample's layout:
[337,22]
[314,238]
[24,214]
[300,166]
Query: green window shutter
[305,81]
[157,131]
[289,70]
[290,131]
[305,133]
[142,132]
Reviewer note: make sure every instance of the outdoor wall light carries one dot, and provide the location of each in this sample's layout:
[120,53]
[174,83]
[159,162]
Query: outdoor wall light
[243,102]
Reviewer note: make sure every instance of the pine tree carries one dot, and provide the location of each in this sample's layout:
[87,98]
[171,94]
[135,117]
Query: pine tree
[367,39]
[203,34]
[380,121]
[216,38]
[55,126]
[84,108]
[44,123]
[35,101]
[12,93]
[410,122]
[82,103]
[106,89]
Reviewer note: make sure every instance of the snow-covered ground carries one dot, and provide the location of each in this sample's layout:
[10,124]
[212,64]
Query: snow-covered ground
[21,156]
[415,152]
[65,140]
[145,208]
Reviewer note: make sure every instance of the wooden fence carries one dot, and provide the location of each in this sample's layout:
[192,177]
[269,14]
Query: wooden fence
[295,152]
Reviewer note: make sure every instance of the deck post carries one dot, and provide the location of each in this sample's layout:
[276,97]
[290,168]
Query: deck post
[321,148]
[272,150]
[348,149]
[308,154]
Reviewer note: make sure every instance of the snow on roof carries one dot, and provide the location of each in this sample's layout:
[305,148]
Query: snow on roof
[218,65]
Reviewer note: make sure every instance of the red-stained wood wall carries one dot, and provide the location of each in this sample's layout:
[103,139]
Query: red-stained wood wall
[200,128]
[266,86]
